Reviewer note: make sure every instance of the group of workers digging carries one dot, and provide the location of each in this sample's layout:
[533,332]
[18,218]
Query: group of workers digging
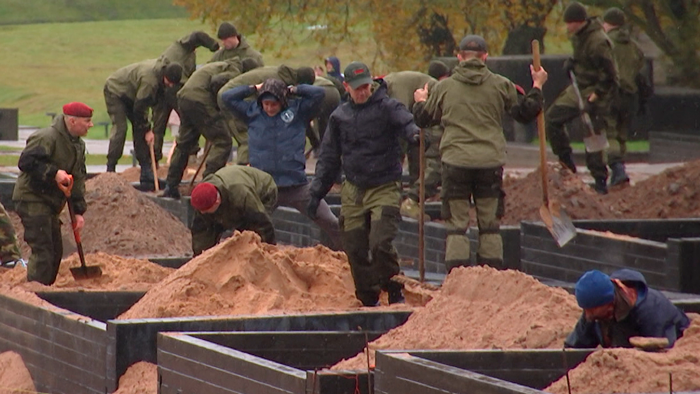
[268,110]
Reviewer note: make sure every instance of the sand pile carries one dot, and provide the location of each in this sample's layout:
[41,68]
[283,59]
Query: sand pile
[140,378]
[122,221]
[242,275]
[19,232]
[524,196]
[635,371]
[483,308]
[14,376]
[133,174]
[118,274]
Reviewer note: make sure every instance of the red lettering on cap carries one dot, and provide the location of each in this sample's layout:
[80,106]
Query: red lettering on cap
[359,71]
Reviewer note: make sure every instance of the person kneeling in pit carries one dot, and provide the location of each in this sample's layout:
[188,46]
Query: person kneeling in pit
[233,198]
[621,306]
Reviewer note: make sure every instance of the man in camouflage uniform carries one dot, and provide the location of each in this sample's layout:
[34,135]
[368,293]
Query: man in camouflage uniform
[238,128]
[233,198]
[630,62]
[593,64]
[200,115]
[363,138]
[130,93]
[51,158]
[433,171]
[470,106]
[10,254]
[234,45]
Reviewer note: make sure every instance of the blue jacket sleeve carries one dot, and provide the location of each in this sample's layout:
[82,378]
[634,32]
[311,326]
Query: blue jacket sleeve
[311,98]
[657,317]
[402,121]
[235,101]
[329,163]
[583,336]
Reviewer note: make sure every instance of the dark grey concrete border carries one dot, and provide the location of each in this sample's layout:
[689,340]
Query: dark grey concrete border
[260,362]
[97,305]
[64,352]
[131,341]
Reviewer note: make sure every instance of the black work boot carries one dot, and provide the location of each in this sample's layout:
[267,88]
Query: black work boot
[111,167]
[395,291]
[147,180]
[170,192]
[601,185]
[619,176]
[567,160]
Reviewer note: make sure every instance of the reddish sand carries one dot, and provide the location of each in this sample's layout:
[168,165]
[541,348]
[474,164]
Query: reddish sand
[483,308]
[118,274]
[14,376]
[636,371]
[140,378]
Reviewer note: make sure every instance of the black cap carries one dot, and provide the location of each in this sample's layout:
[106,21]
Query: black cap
[306,75]
[575,12]
[249,64]
[357,74]
[226,30]
[173,72]
[474,43]
[438,69]
[614,16]
[273,88]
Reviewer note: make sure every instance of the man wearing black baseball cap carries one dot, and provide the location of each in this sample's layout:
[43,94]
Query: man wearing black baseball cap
[363,138]
[470,105]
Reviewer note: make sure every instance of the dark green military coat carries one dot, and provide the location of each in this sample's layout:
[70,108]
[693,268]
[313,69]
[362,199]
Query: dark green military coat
[402,84]
[141,84]
[594,62]
[198,87]
[243,50]
[629,58]
[49,150]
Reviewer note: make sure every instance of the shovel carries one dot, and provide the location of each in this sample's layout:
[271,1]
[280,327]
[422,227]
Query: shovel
[82,272]
[154,167]
[421,206]
[554,217]
[594,142]
[207,148]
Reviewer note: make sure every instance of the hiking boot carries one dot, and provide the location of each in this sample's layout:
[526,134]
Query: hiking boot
[567,161]
[396,297]
[601,186]
[410,208]
[170,192]
[111,168]
[619,176]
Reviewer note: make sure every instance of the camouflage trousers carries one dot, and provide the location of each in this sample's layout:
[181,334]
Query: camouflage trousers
[9,249]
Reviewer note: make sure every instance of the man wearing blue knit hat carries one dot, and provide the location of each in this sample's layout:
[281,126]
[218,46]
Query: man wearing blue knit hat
[621,306]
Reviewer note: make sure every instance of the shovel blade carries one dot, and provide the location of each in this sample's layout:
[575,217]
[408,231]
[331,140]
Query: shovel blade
[558,223]
[596,143]
[86,272]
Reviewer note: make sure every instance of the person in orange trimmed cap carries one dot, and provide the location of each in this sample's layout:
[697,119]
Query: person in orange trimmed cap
[53,156]
[233,198]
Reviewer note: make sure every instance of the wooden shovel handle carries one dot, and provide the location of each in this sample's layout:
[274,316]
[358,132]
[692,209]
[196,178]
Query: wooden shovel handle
[540,127]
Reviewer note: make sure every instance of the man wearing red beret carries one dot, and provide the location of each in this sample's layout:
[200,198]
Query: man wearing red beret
[53,155]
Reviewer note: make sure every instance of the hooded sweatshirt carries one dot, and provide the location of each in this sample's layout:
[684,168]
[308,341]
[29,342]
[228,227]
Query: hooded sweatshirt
[629,59]
[336,68]
[470,106]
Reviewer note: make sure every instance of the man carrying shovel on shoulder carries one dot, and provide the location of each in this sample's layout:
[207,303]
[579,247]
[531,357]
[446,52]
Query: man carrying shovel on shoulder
[54,157]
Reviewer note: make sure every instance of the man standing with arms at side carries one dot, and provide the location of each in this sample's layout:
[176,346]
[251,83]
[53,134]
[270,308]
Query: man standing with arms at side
[52,156]
[596,74]
[470,106]
[363,137]
[630,62]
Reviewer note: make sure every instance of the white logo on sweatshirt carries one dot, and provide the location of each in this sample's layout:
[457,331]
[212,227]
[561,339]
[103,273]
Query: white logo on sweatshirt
[287,116]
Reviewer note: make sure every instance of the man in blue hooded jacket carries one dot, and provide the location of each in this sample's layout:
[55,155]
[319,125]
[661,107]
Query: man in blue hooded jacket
[277,138]
[621,306]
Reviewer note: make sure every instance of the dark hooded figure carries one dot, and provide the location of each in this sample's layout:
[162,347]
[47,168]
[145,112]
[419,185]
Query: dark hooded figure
[333,68]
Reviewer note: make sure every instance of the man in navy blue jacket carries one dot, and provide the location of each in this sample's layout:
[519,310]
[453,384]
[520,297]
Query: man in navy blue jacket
[363,138]
[277,137]
[621,306]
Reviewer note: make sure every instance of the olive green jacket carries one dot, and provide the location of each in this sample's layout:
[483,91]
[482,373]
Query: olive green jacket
[629,58]
[49,150]
[594,62]
[260,75]
[184,51]
[402,84]
[199,89]
[243,50]
[248,197]
[470,106]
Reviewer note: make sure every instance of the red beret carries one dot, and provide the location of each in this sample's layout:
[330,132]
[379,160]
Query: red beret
[203,196]
[77,109]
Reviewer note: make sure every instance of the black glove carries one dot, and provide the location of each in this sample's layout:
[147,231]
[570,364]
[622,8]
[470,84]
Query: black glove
[589,108]
[568,65]
[416,141]
[312,207]
[214,47]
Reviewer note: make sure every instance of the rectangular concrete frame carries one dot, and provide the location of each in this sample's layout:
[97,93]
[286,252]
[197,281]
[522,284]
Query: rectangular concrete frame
[131,341]
[466,372]
[260,362]
[670,265]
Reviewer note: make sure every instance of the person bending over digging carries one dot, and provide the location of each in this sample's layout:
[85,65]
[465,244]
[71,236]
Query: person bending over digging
[233,198]
[621,306]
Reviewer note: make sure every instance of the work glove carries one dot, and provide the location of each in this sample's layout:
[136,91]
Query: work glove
[214,47]
[312,208]
[568,65]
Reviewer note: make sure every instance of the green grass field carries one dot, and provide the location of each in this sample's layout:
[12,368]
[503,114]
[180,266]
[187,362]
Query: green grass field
[14,12]
[632,146]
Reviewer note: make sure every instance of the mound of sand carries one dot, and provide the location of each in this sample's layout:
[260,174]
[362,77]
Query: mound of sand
[140,378]
[14,375]
[242,275]
[483,308]
[118,274]
[636,371]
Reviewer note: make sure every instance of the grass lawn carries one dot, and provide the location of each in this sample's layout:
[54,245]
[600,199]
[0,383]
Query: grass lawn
[90,159]
[632,146]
